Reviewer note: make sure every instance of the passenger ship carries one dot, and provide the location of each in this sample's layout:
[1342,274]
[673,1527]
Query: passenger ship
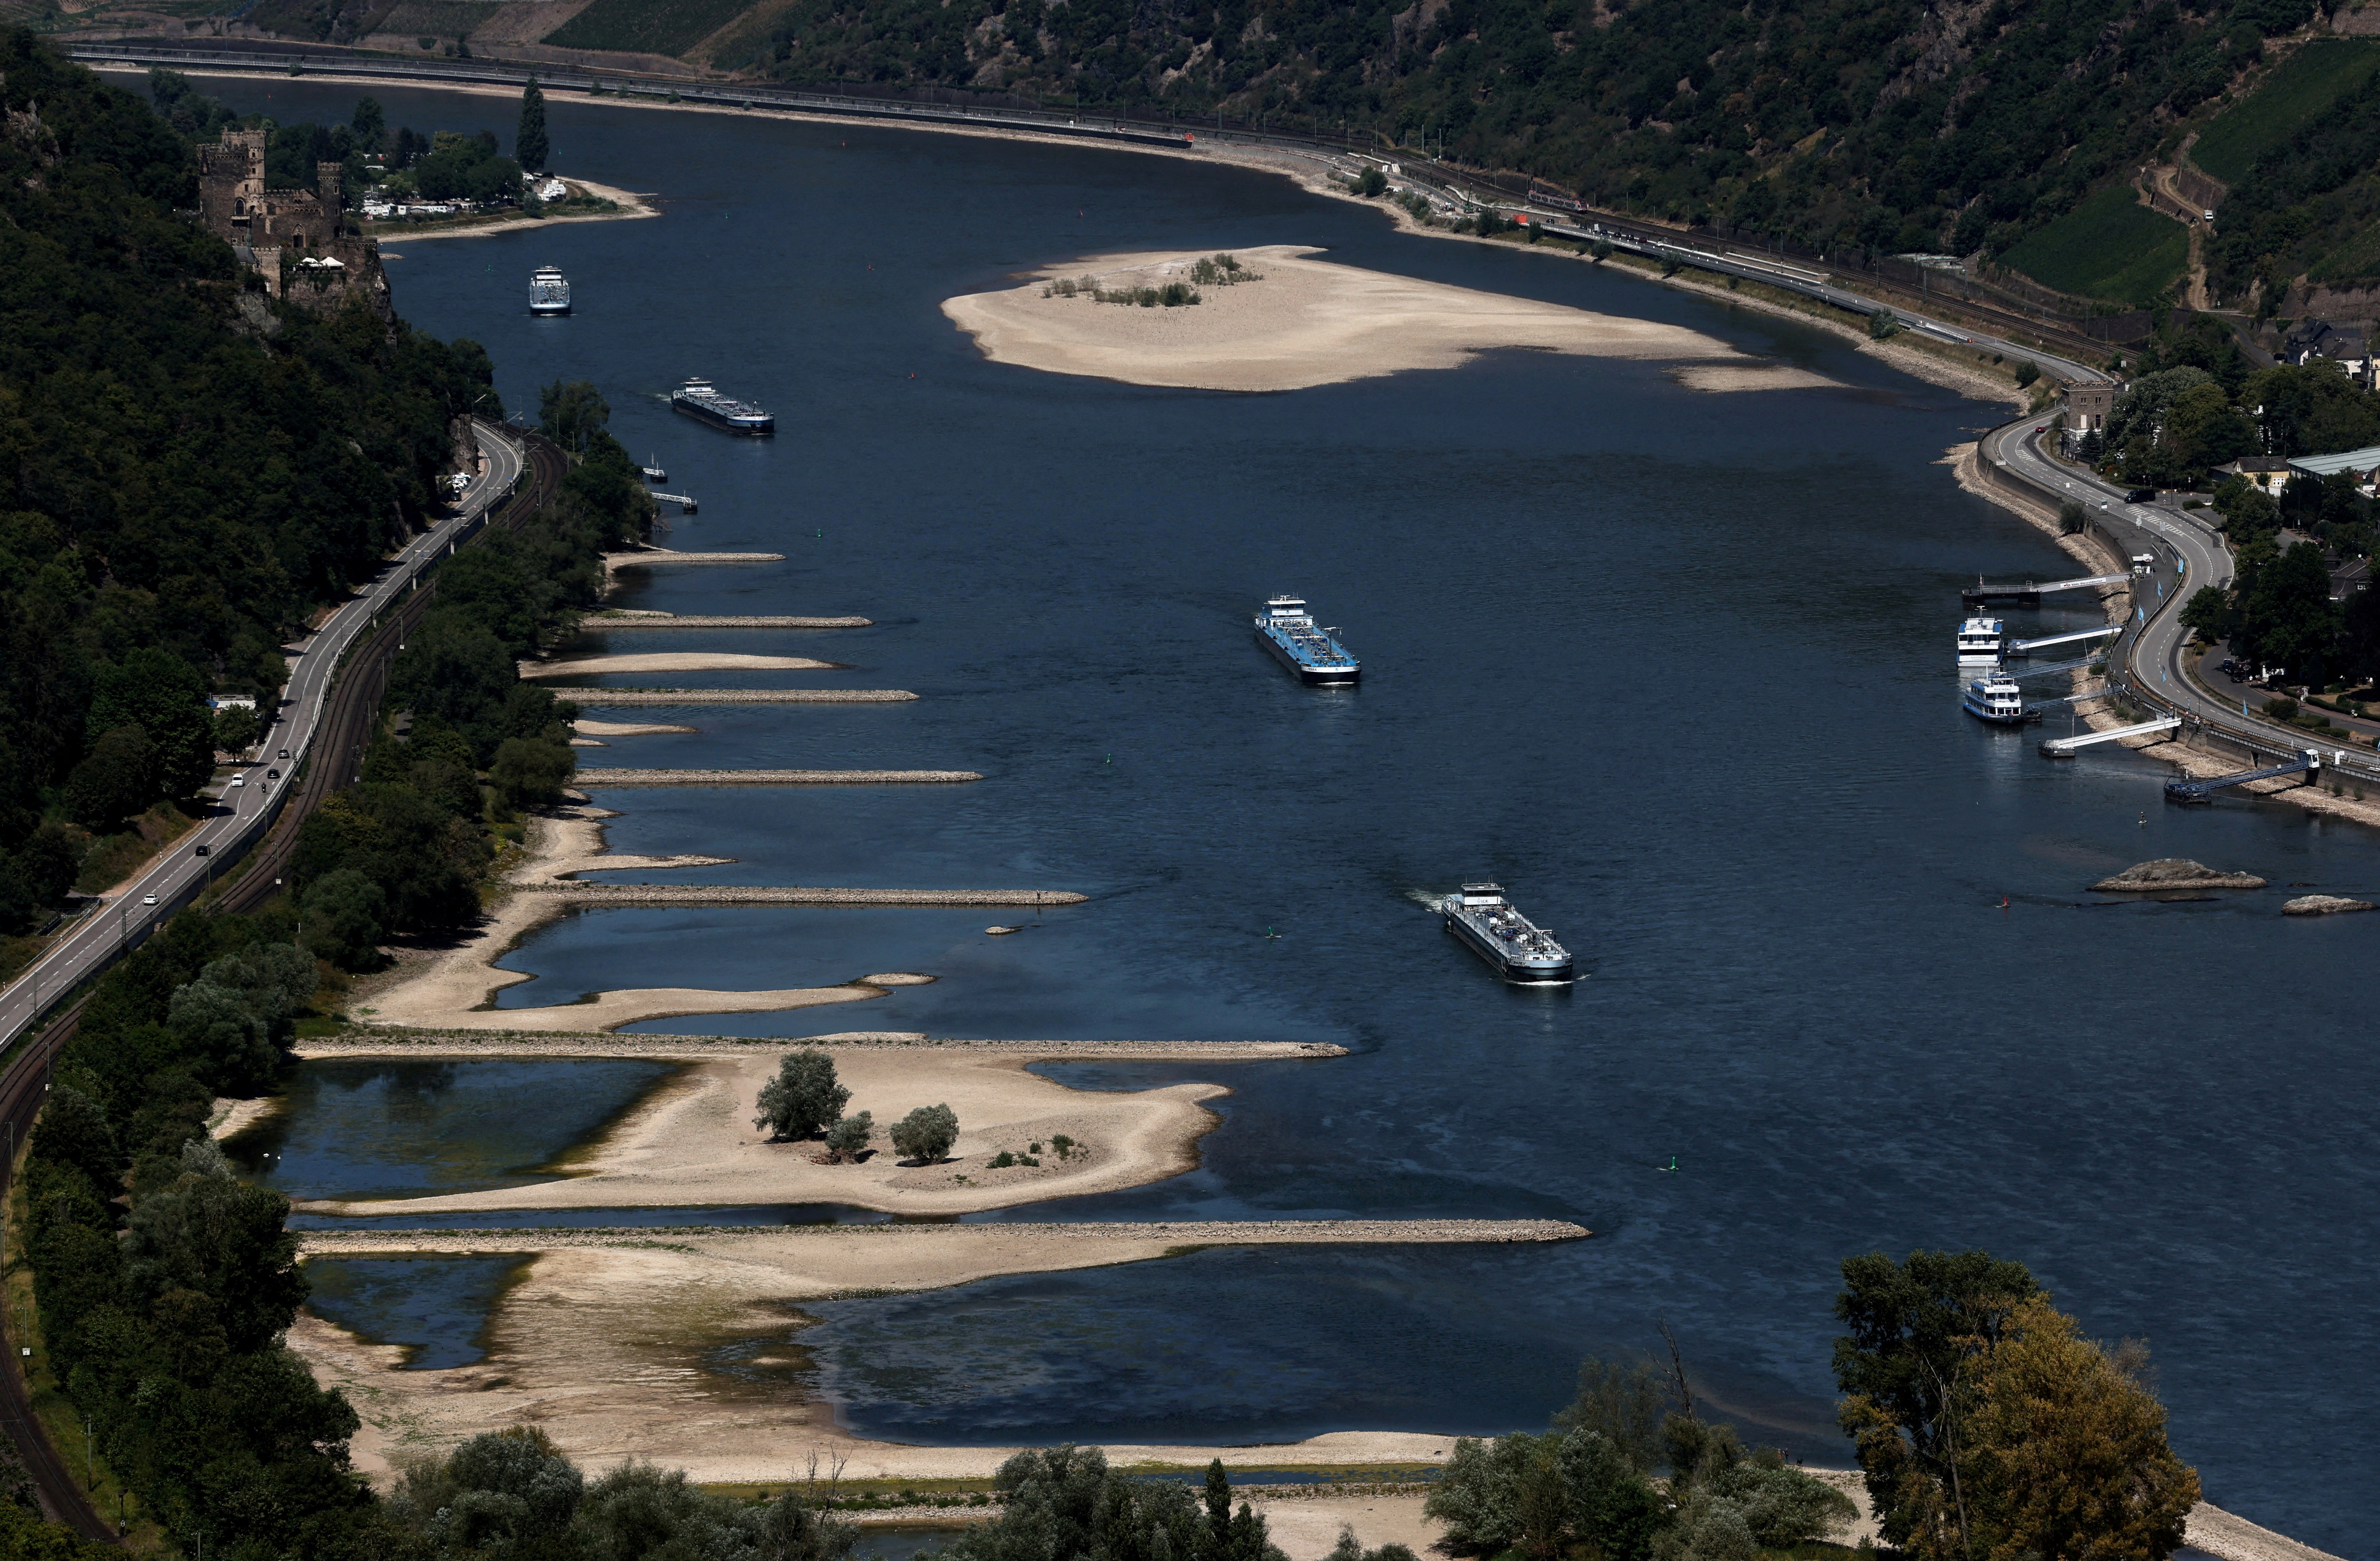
[1981,641]
[1519,948]
[549,292]
[1995,698]
[696,399]
[1289,631]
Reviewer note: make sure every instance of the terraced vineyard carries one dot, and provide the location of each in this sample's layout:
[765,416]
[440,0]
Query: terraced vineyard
[2109,247]
[647,27]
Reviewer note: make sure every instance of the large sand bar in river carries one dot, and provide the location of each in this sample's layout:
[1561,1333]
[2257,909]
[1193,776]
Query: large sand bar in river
[1308,322]
[693,1143]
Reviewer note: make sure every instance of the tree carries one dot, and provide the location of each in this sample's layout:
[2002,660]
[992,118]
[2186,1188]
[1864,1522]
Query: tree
[1535,1492]
[925,1134]
[343,918]
[1907,1369]
[2071,1455]
[2208,610]
[531,148]
[116,780]
[2026,372]
[2360,636]
[2283,614]
[530,771]
[369,124]
[1621,1403]
[847,1140]
[571,413]
[1371,184]
[237,729]
[2072,518]
[804,1100]
[1883,324]
[164,696]
[1065,1504]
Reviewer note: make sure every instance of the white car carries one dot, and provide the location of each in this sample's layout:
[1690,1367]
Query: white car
[238,780]
[148,900]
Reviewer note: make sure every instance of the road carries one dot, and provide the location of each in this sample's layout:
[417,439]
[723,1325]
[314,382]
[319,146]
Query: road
[249,802]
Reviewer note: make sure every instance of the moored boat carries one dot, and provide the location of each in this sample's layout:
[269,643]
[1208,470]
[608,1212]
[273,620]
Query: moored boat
[1981,642]
[1997,698]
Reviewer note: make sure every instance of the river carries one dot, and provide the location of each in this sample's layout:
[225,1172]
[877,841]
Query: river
[1674,666]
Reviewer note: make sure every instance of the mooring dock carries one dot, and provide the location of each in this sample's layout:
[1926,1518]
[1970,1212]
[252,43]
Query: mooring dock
[2204,790]
[2027,647]
[2064,747]
[2030,595]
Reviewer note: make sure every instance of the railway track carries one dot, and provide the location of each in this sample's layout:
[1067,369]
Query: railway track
[353,707]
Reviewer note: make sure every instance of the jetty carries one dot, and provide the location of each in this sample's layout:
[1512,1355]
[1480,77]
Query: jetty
[738,696]
[598,777]
[1200,1233]
[2030,595]
[713,621]
[647,557]
[747,894]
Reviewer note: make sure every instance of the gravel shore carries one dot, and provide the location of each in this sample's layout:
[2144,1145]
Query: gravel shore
[599,696]
[713,621]
[724,1238]
[743,894]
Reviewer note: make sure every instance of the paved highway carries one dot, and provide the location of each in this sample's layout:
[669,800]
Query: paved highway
[249,802]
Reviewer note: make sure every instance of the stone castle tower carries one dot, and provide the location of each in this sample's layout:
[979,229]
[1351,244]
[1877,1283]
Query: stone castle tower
[295,238]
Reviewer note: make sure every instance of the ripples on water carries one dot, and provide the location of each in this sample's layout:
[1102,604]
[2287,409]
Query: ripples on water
[1674,667]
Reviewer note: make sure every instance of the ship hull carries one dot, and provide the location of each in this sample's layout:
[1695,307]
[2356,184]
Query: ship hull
[759,427]
[1305,673]
[549,309]
[1995,718]
[1511,970]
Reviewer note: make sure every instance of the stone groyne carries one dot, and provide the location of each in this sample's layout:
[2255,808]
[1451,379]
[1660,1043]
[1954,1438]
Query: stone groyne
[710,620]
[645,557]
[738,696]
[600,777]
[749,894]
[1270,1232]
[395,1042]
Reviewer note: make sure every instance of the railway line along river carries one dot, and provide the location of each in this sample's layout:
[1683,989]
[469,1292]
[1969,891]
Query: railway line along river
[1674,666]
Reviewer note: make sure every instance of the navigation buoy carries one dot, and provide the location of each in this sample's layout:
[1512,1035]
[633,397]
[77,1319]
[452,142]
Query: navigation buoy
[1673,1164]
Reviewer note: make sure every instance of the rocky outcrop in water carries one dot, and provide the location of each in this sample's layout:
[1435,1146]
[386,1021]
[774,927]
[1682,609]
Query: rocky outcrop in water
[2323,906]
[2173,872]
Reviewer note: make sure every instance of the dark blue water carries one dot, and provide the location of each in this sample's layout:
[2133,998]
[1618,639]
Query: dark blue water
[1674,667]
[435,1306]
[371,1128]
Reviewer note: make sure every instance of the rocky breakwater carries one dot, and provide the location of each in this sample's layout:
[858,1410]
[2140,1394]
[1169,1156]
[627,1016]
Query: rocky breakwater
[597,779]
[2170,873]
[749,894]
[1198,1233]
[585,697]
[641,618]
[2323,906]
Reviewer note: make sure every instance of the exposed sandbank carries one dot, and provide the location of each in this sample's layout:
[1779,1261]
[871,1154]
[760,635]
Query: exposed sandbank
[628,697]
[1752,377]
[693,1144]
[589,728]
[631,205]
[675,661]
[605,1348]
[455,986]
[1308,323]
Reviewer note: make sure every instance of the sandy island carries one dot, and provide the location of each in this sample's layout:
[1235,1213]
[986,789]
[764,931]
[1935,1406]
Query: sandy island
[692,1143]
[1308,323]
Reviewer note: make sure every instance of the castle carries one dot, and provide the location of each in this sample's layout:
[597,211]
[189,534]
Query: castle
[296,239]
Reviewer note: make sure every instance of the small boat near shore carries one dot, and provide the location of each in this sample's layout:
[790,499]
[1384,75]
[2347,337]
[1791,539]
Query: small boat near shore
[1981,642]
[1997,698]
[1314,653]
[652,470]
[1481,918]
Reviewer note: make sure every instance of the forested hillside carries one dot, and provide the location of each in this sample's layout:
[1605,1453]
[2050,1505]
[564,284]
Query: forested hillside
[1889,124]
[186,469]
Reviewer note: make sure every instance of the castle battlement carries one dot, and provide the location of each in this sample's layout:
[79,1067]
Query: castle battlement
[296,236]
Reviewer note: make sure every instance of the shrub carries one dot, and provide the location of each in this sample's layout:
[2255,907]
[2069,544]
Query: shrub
[1883,325]
[847,1140]
[925,1134]
[1372,184]
[2283,708]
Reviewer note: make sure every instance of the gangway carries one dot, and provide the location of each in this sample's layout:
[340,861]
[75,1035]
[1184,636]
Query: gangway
[2027,647]
[2204,790]
[2030,595]
[2050,671]
[683,501]
[2078,698]
[2064,747]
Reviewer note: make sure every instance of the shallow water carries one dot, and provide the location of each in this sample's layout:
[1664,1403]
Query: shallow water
[434,1305]
[1674,666]
[370,1128]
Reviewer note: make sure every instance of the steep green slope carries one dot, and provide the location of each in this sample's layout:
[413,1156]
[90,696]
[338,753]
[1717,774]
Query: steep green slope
[2309,206]
[185,470]
[2109,247]
[1888,124]
[2298,89]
